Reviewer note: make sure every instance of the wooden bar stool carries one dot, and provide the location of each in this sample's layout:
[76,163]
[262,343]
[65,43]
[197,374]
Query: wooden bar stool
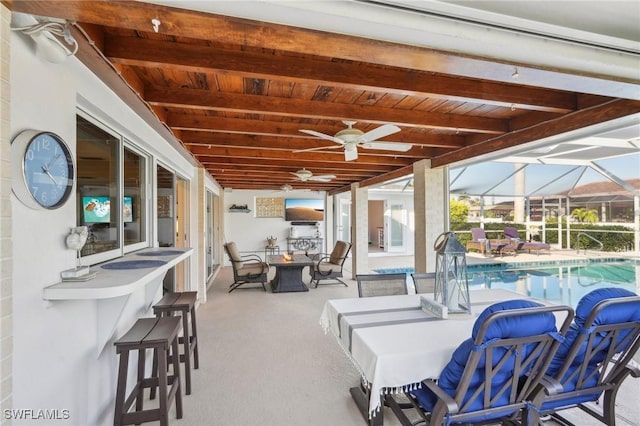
[161,335]
[184,303]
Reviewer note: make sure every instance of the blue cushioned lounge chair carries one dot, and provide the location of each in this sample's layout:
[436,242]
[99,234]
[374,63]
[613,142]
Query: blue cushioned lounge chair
[595,357]
[491,375]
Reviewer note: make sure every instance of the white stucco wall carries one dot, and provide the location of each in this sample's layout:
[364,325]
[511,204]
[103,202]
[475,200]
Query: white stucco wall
[250,233]
[56,360]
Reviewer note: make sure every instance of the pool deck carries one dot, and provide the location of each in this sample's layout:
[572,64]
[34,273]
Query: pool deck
[383,261]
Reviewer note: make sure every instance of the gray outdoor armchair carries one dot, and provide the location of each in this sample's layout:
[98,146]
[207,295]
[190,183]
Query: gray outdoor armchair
[246,269]
[328,266]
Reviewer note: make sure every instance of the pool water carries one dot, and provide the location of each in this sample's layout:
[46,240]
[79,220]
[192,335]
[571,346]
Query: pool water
[562,283]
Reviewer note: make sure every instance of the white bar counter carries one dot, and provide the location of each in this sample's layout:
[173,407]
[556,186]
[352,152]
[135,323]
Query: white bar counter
[109,283]
[119,295]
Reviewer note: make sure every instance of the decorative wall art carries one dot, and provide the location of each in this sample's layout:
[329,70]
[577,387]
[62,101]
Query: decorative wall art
[269,207]
[165,204]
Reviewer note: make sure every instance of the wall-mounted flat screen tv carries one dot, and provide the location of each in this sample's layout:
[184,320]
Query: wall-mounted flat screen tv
[303,209]
[97,209]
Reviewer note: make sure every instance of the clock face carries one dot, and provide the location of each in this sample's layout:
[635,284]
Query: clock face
[47,170]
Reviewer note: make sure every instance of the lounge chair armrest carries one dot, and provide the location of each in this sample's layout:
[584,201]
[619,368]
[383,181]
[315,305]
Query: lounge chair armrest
[452,406]
[551,385]
[319,257]
[251,257]
[258,261]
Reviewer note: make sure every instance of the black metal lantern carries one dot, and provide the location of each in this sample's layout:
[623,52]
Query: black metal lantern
[451,286]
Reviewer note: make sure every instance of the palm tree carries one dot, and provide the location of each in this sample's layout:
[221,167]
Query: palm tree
[583,215]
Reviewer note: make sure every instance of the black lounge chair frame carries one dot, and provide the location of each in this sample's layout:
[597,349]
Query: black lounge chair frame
[518,388]
[328,266]
[247,269]
[610,372]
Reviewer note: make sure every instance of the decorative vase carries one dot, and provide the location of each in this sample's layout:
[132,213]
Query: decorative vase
[271,241]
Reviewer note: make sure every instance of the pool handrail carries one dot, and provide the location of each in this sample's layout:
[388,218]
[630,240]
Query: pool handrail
[592,238]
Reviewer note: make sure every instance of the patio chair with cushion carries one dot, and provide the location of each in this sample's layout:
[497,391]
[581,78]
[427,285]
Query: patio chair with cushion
[371,285]
[512,234]
[478,240]
[329,266]
[246,269]
[595,357]
[488,246]
[491,375]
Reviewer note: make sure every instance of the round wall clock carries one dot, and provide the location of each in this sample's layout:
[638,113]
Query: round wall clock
[43,171]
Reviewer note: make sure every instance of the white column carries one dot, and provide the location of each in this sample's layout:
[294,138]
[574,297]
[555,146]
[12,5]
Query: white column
[519,190]
[431,209]
[636,224]
[560,235]
[568,214]
[359,230]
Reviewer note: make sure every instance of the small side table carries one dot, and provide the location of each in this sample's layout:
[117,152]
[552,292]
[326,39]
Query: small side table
[271,250]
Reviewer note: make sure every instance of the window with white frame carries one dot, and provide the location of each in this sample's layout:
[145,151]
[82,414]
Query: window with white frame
[110,192]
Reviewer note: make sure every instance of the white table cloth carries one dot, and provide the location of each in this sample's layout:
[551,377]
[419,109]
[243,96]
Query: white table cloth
[393,343]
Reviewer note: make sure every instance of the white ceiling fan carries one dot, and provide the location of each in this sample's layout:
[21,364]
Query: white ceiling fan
[306,175]
[288,188]
[351,139]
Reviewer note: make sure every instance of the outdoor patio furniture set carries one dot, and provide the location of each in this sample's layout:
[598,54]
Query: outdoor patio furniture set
[523,360]
[326,267]
[510,243]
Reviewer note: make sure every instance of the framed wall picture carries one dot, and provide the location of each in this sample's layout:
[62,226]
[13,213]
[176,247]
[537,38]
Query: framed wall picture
[269,207]
[165,205]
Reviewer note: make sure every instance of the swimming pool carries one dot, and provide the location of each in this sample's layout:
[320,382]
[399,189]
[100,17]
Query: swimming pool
[563,283]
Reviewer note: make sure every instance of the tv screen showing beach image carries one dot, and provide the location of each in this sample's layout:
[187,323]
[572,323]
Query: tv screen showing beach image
[96,209]
[303,209]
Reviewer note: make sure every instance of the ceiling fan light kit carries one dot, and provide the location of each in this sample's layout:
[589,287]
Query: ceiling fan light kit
[306,175]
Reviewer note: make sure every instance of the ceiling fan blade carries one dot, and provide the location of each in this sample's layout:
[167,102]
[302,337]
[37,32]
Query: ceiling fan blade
[322,178]
[350,155]
[380,132]
[319,148]
[323,136]
[387,146]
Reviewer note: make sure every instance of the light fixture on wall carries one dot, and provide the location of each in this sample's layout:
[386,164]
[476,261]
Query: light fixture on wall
[44,35]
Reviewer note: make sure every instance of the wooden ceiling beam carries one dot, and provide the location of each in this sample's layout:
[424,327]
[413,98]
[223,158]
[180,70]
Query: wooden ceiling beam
[177,22]
[144,52]
[343,175]
[274,144]
[288,107]
[264,155]
[224,162]
[614,109]
[201,124]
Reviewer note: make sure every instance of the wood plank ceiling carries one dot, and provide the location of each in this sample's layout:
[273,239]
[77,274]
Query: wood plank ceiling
[236,93]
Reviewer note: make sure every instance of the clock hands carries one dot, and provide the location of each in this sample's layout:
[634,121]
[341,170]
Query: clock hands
[53,160]
[45,169]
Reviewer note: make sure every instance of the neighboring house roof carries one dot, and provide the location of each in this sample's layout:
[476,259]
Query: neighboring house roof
[602,188]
